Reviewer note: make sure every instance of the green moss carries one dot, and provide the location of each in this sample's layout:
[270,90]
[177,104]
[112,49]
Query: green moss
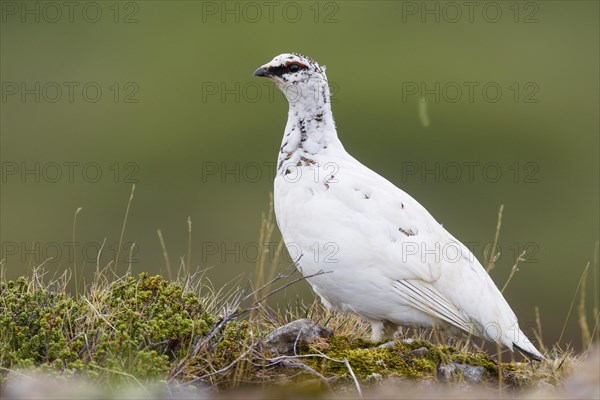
[366,359]
[138,326]
[397,361]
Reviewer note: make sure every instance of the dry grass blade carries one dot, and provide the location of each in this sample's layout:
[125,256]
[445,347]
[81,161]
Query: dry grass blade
[493,257]
[99,315]
[562,332]
[594,332]
[73,254]
[513,270]
[266,232]
[595,273]
[123,227]
[130,256]
[538,331]
[165,253]
[188,261]
[581,310]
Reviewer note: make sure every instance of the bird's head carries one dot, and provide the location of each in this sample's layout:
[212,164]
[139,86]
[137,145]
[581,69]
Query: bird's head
[300,78]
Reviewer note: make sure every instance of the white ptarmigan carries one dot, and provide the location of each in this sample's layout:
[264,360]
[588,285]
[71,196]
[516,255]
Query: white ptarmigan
[383,256]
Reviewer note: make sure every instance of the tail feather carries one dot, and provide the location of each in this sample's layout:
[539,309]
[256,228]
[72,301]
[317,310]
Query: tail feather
[529,350]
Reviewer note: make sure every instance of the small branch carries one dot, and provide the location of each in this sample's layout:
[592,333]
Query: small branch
[307,369]
[224,369]
[235,306]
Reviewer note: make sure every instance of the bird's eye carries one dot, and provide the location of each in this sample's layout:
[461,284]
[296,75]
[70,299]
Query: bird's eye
[294,67]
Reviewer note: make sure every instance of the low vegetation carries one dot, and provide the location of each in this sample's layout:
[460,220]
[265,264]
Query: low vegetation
[179,334]
[146,329]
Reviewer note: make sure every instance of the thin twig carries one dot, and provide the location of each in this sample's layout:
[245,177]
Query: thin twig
[224,369]
[236,302]
[307,369]
[278,360]
[282,288]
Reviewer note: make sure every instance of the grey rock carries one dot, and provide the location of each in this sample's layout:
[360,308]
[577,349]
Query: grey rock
[285,340]
[420,352]
[386,345]
[470,373]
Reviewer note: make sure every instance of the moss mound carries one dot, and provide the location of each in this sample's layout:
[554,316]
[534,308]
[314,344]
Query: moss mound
[138,326]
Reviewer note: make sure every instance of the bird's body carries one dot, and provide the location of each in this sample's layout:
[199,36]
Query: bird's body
[382,255]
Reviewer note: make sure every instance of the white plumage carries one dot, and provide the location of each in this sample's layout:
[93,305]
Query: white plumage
[383,256]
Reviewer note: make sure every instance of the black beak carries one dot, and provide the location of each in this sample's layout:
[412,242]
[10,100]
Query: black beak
[261,72]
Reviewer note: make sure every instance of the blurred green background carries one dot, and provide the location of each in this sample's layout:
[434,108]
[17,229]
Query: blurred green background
[180,115]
